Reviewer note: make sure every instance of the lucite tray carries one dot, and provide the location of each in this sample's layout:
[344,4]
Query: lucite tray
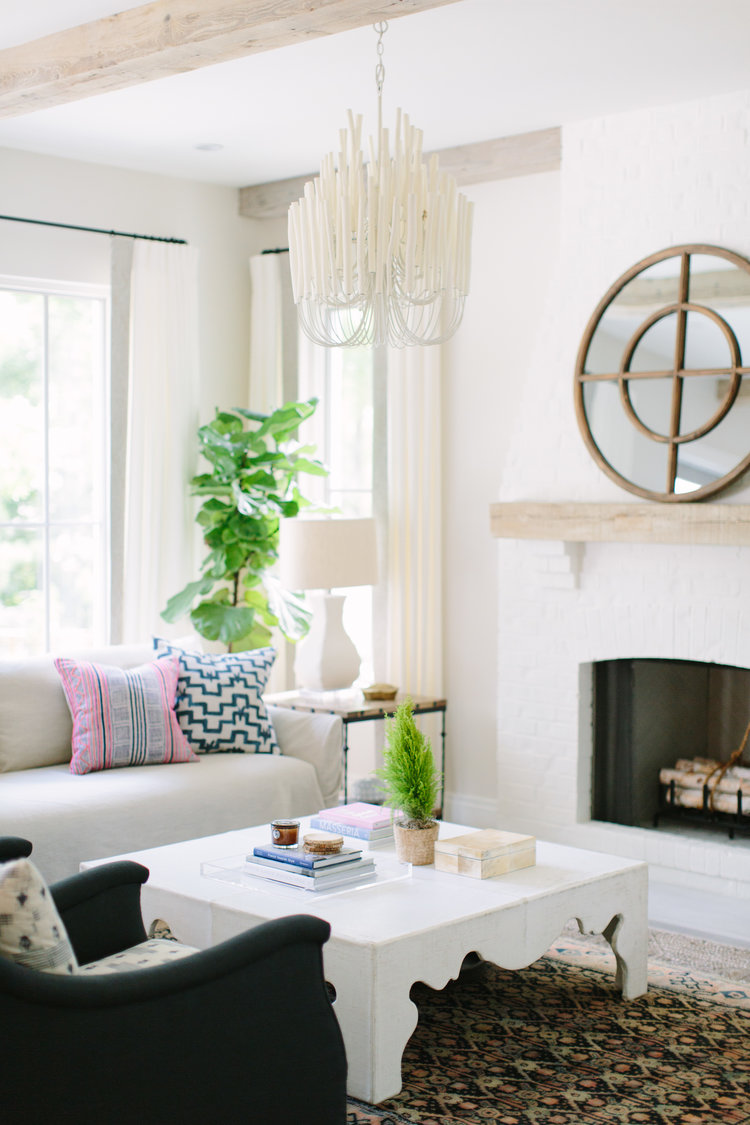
[232,870]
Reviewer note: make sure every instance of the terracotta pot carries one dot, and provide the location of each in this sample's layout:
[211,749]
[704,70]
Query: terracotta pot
[416,845]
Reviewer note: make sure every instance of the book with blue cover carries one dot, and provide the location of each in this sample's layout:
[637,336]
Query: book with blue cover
[297,857]
[357,872]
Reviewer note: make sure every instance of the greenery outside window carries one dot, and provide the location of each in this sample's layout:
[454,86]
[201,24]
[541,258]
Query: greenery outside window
[53,466]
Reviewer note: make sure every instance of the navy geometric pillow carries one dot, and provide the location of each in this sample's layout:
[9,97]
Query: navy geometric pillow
[218,703]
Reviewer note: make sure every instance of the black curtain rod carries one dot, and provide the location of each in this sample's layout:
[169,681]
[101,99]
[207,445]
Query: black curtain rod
[279,250]
[93,230]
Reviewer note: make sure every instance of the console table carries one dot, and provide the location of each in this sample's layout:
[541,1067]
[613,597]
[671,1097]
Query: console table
[351,709]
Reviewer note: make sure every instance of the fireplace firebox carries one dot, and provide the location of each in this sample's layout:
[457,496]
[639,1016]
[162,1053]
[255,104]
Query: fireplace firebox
[647,714]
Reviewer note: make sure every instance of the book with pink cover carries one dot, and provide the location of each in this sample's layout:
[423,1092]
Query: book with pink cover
[359,814]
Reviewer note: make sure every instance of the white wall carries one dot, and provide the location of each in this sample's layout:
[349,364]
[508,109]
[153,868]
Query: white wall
[67,191]
[516,232]
[632,184]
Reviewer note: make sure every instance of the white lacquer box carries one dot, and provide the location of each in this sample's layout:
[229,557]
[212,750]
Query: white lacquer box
[485,853]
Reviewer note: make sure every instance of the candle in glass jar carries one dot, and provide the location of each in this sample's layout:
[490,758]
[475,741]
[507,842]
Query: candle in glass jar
[285,833]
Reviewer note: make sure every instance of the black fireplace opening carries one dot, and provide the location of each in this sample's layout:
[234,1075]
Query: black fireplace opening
[647,714]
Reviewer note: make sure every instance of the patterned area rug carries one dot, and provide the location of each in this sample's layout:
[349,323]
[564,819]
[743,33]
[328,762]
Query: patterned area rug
[555,1044]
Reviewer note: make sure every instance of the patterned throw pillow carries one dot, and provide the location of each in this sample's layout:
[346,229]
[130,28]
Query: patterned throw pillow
[219,700]
[123,717]
[31,931]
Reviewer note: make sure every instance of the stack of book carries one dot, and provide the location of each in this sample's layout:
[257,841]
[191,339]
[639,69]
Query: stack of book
[371,823]
[298,868]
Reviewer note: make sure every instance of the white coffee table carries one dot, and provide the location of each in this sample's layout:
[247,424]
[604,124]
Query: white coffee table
[386,937]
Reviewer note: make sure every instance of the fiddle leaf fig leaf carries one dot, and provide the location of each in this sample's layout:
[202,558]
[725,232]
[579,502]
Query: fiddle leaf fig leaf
[255,461]
[293,613]
[258,637]
[179,604]
[304,465]
[221,622]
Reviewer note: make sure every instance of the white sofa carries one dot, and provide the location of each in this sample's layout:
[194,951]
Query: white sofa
[71,817]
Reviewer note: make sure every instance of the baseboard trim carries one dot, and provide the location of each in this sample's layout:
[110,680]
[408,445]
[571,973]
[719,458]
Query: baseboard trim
[463,808]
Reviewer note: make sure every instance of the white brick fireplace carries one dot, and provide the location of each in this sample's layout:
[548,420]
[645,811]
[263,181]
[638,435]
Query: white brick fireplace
[566,605]
[631,185]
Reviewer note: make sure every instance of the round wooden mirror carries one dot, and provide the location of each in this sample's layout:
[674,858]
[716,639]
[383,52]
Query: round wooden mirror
[659,390]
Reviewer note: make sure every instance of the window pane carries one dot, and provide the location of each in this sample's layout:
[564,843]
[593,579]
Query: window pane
[21,406]
[343,380]
[53,441]
[351,415]
[22,627]
[75,416]
[353,505]
[74,554]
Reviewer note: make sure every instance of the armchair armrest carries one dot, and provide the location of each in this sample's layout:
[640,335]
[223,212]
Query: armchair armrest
[317,739]
[101,908]
[14,847]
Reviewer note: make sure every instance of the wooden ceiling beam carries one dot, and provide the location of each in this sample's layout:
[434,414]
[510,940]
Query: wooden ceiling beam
[170,37]
[499,159]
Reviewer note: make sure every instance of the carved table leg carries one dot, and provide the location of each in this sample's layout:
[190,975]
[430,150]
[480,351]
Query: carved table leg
[376,1018]
[629,943]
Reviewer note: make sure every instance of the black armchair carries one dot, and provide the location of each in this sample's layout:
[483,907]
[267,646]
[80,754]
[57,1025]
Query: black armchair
[243,1032]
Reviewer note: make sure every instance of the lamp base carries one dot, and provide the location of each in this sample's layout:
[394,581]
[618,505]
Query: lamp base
[326,659]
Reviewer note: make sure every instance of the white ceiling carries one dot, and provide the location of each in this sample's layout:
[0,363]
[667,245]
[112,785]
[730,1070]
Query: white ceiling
[469,71]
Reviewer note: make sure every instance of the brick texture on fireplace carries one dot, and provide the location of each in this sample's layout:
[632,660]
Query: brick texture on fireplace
[631,600]
[632,184]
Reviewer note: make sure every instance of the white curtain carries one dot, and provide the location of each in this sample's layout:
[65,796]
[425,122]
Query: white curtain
[273,378]
[162,422]
[265,389]
[414,569]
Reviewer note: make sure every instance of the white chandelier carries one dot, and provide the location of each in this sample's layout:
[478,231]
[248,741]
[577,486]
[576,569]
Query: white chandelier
[380,252]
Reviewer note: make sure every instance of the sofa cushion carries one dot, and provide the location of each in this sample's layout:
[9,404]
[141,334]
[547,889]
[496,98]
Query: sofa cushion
[123,717]
[219,703]
[32,932]
[72,818]
[317,739]
[35,724]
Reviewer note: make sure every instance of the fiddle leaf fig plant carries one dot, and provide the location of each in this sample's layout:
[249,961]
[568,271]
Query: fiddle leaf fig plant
[255,463]
[411,780]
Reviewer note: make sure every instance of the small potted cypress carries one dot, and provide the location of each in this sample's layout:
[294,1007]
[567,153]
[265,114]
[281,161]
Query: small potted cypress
[411,782]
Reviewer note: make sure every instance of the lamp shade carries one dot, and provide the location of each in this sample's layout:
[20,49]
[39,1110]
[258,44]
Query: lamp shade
[326,554]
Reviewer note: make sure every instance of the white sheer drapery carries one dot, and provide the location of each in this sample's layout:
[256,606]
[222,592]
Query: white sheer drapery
[162,421]
[414,645]
[273,377]
[266,333]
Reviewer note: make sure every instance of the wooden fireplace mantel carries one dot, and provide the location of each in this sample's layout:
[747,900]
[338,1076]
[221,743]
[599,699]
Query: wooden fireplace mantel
[722,524]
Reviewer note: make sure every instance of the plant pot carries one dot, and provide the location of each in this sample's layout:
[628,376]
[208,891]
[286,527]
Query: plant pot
[416,845]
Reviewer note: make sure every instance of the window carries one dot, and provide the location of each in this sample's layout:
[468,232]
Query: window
[53,467]
[349,407]
[344,428]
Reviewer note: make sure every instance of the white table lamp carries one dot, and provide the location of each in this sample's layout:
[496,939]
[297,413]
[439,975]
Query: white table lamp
[321,555]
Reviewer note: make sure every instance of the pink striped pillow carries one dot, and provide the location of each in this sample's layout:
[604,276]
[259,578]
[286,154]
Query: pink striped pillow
[123,717]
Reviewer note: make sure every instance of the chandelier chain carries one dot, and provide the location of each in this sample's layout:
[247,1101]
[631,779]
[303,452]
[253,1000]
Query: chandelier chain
[381,29]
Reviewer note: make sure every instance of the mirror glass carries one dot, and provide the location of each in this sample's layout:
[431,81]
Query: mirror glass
[660,394]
